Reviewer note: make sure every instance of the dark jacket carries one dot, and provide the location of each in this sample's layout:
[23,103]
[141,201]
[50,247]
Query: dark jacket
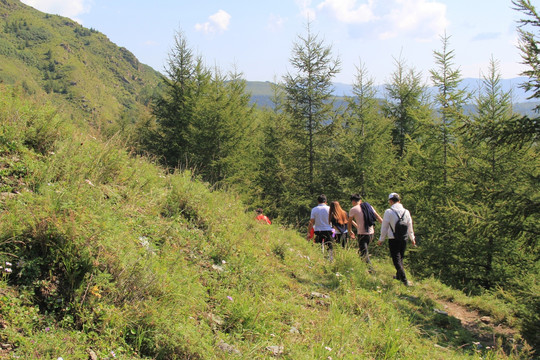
[369,215]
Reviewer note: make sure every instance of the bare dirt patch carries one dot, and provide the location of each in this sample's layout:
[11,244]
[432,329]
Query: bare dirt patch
[483,327]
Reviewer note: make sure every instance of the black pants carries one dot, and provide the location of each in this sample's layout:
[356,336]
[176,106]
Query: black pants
[324,236]
[397,252]
[363,243]
[343,239]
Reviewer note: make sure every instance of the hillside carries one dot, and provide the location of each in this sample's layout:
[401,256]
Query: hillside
[79,69]
[111,257]
[104,254]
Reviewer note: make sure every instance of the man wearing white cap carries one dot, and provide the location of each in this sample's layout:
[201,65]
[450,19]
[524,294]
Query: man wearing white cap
[397,225]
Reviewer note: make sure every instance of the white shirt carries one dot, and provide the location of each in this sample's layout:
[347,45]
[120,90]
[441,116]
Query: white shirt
[321,213]
[389,221]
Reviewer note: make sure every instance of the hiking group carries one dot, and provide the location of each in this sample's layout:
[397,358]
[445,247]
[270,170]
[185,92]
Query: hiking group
[332,222]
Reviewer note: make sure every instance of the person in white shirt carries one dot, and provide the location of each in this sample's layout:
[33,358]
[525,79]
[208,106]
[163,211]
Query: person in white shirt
[320,223]
[397,246]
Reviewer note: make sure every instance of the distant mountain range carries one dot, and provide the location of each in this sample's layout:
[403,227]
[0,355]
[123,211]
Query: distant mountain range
[472,84]
[261,92]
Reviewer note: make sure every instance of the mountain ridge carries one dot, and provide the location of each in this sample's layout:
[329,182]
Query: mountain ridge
[80,68]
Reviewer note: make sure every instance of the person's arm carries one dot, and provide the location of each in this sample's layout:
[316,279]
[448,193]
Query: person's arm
[379,218]
[350,223]
[310,226]
[384,227]
[410,230]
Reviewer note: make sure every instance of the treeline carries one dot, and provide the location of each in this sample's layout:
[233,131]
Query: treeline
[470,180]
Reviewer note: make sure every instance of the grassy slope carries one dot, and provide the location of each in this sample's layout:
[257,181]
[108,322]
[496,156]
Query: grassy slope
[111,254]
[79,69]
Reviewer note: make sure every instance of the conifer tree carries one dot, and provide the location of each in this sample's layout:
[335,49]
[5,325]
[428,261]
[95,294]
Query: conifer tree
[449,100]
[276,182]
[221,129]
[405,105]
[497,185]
[366,154]
[174,108]
[309,103]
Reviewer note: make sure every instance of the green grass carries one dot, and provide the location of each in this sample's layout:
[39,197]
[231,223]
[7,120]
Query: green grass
[111,254]
[78,69]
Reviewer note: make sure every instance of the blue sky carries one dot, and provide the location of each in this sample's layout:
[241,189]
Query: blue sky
[256,37]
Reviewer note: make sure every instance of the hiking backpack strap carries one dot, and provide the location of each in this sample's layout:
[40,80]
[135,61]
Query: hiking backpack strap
[399,219]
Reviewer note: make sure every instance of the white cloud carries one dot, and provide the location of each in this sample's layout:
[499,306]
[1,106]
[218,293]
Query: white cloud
[306,10]
[348,11]
[70,9]
[275,22]
[219,22]
[419,19]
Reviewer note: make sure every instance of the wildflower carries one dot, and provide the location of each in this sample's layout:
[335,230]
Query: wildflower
[8,270]
[328,348]
[47,329]
[95,291]
[338,274]
[8,263]
[113,354]
[230,298]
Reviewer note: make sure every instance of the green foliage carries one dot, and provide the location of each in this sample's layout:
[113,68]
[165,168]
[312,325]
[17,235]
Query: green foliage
[405,105]
[78,69]
[203,121]
[113,253]
[308,102]
[113,256]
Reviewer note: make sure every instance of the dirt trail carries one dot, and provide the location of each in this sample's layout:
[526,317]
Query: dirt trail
[483,327]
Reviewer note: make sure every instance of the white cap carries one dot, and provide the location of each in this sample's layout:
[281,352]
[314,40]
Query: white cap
[394,196]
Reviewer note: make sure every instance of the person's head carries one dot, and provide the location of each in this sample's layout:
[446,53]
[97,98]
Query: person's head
[355,198]
[337,213]
[321,199]
[259,211]
[394,198]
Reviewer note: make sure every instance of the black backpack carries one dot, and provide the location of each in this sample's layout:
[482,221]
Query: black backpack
[401,227]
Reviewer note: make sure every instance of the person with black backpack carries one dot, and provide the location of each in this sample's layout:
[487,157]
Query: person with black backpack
[397,225]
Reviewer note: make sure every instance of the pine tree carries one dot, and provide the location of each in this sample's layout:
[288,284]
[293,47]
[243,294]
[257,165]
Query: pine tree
[497,195]
[174,108]
[366,154]
[309,103]
[220,130]
[449,99]
[405,105]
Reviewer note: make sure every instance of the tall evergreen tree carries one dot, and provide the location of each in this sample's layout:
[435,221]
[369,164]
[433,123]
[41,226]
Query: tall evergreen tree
[309,103]
[276,180]
[204,120]
[366,154]
[221,130]
[449,99]
[529,31]
[174,108]
[405,104]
